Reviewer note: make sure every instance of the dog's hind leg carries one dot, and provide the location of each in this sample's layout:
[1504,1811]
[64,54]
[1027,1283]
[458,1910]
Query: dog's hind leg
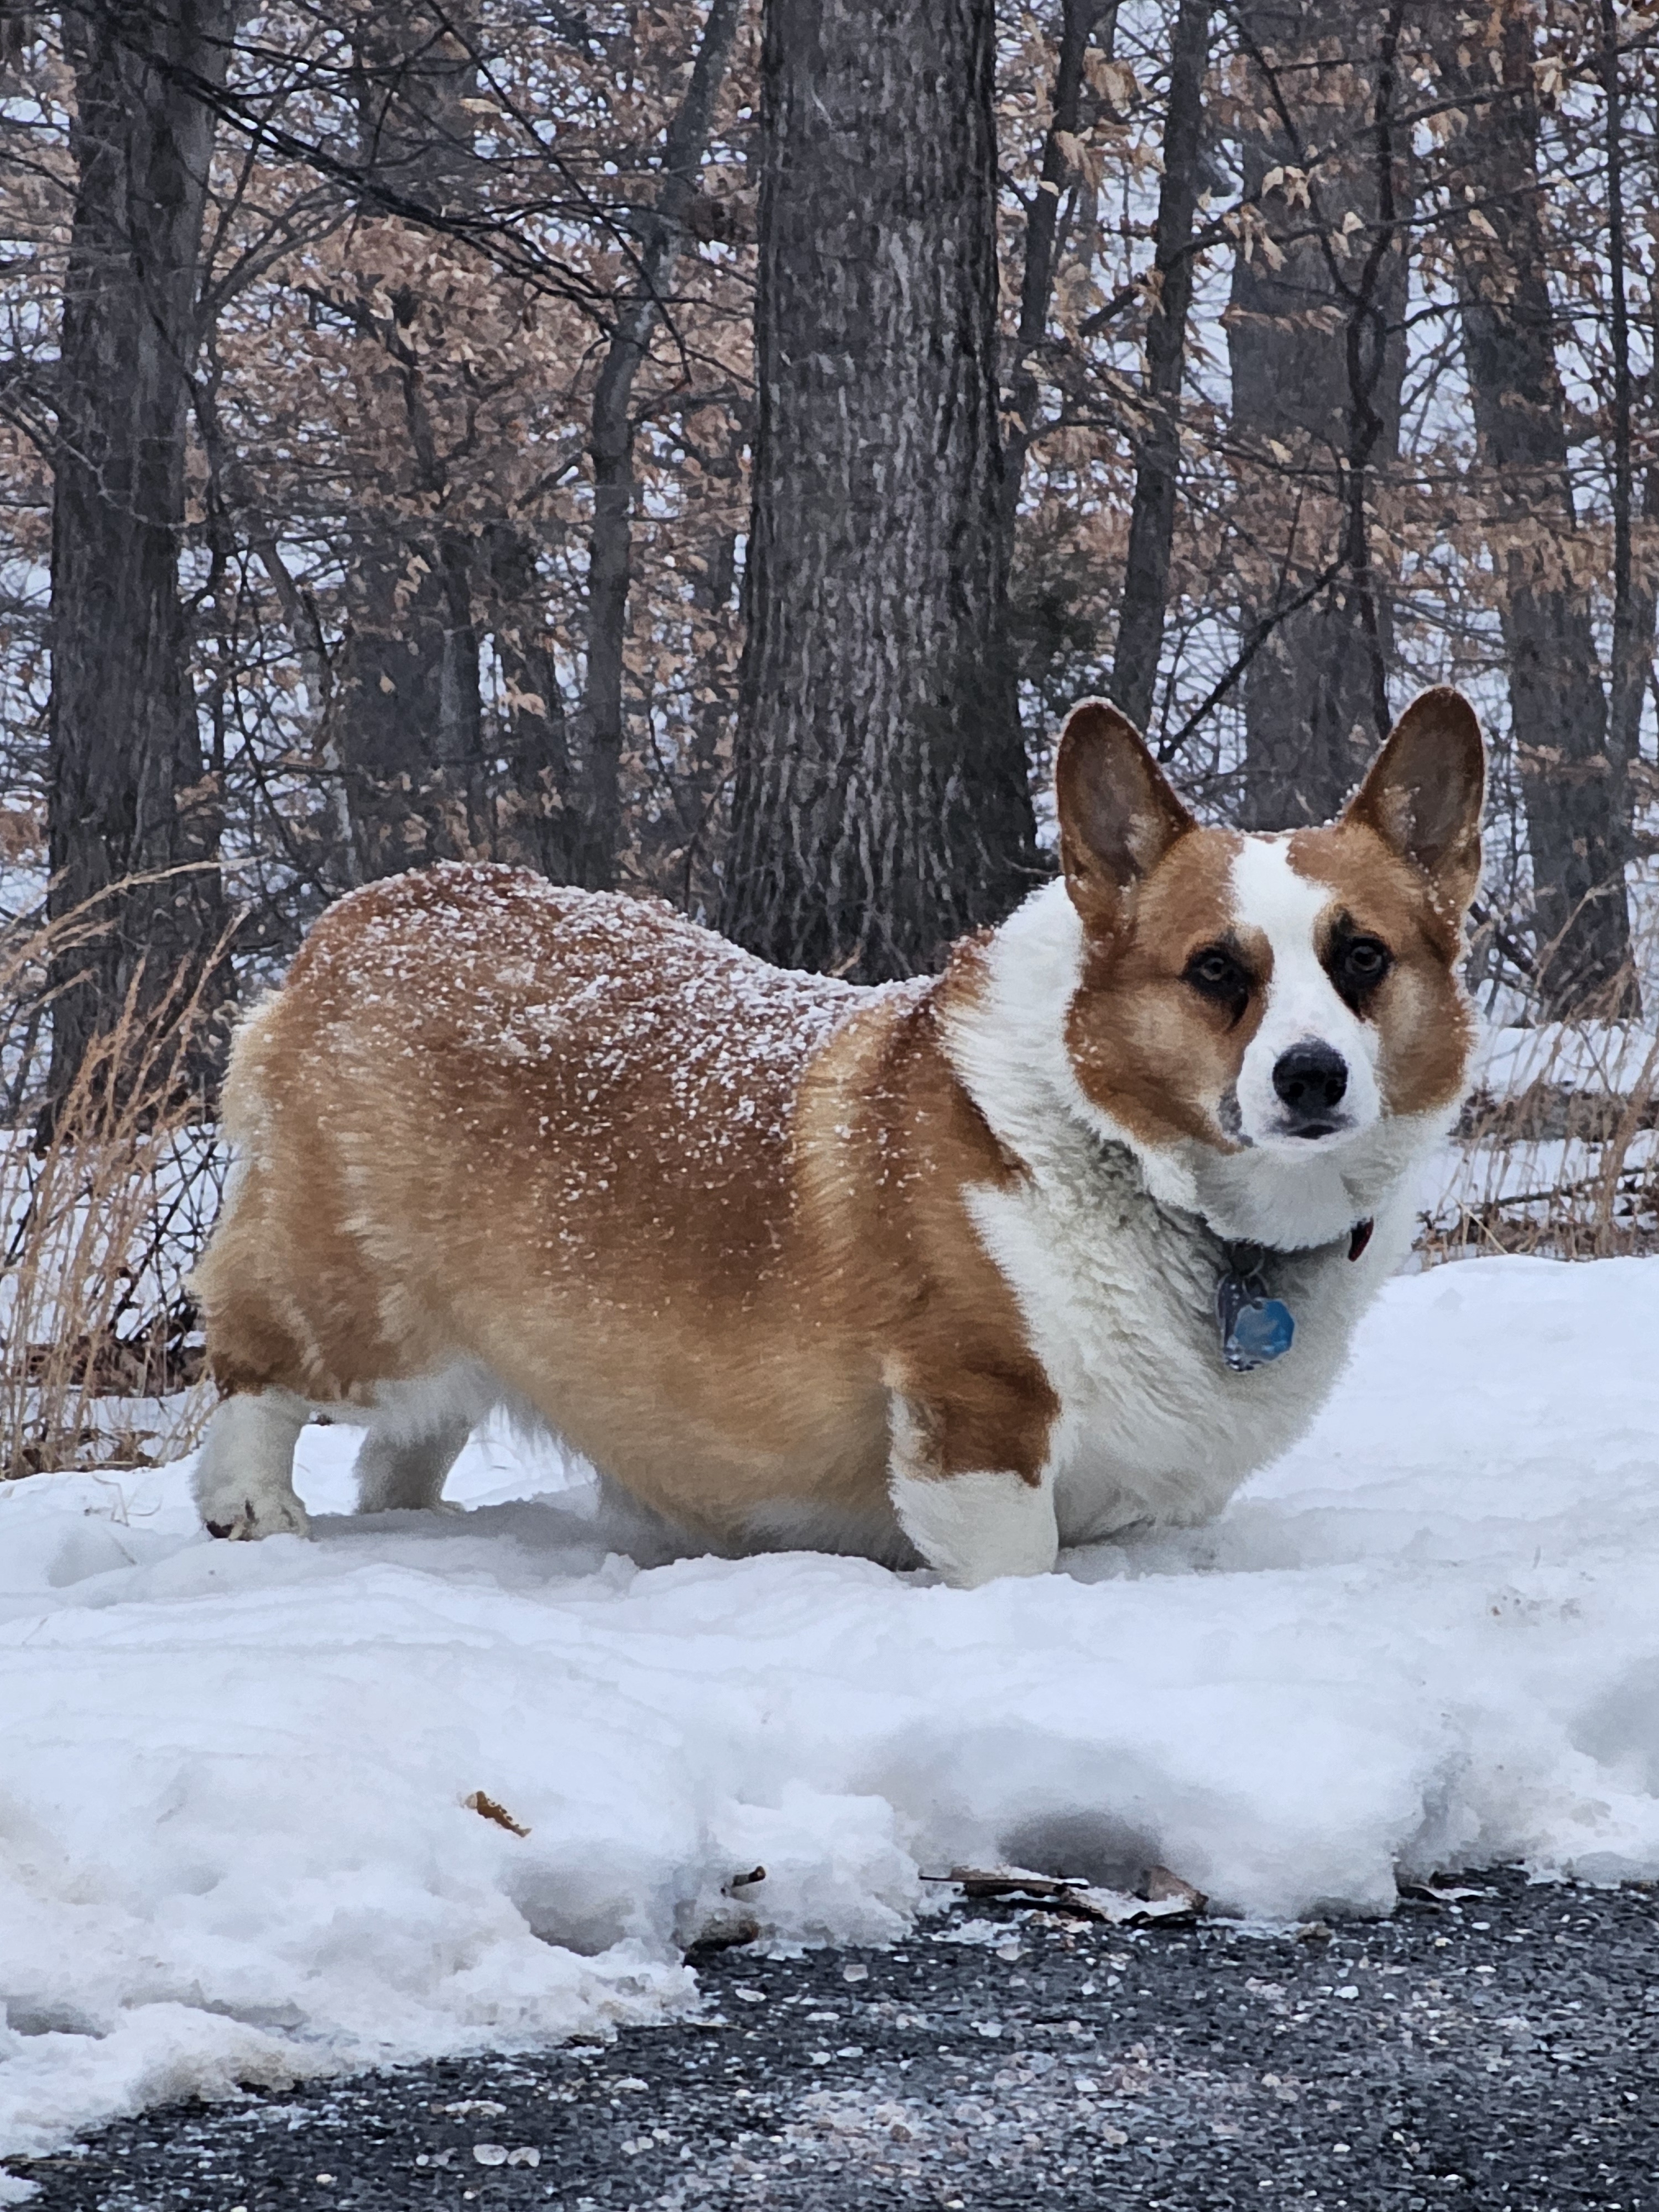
[244,1478]
[416,1433]
[400,1472]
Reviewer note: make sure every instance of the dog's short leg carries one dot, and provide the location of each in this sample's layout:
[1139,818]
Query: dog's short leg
[399,1473]
[973,1528]
[975,1525]
[244,1479]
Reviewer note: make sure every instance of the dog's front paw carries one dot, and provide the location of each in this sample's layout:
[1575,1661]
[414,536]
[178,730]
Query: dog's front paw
[246,1520]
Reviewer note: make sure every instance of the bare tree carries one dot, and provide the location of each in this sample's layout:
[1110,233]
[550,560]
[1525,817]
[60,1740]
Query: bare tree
[408,708]
[1081,21]
[1315,330]
[1157,461]
[1633,601]
[1558,709]
[599,800]
[134,816]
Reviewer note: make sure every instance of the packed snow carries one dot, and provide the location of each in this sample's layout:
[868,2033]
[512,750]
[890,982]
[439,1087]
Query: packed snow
[235,1839]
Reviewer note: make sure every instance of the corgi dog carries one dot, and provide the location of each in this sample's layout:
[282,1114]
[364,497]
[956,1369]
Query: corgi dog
[1069,1237]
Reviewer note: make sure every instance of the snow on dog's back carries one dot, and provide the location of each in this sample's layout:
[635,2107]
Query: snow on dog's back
[543,1130]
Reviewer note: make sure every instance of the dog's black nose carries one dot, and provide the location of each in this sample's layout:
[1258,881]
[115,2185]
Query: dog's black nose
[1310,1078]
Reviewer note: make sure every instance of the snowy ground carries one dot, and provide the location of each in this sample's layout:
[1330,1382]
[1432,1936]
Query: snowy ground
[234,1842]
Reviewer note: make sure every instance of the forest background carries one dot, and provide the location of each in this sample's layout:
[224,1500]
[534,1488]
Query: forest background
[702,450]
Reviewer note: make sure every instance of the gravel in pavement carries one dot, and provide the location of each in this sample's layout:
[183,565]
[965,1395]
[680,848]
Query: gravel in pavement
[1496,2050]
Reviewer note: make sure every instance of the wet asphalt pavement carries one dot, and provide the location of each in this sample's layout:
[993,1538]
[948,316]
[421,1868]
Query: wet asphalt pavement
[1498,2051]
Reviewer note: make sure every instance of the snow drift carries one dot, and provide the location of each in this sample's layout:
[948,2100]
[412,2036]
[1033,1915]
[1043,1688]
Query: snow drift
[235,1843]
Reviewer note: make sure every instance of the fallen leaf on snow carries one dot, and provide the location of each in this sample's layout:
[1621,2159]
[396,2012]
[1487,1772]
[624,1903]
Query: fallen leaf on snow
[488,1810]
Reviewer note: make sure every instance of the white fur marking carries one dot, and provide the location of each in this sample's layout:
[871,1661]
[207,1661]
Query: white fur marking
[1303,1006]
[406,1474]
[974,1528]
[244,1479]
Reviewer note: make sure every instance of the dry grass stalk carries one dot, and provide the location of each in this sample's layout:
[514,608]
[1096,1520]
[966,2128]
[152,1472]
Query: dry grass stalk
[1563,1161]
[102,1209]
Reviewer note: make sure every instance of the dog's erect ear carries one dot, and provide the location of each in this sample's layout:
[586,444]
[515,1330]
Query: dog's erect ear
[1424,793]
[1118,818]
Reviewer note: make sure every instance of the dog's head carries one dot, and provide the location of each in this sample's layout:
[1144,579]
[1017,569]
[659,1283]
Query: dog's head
[1270,1000]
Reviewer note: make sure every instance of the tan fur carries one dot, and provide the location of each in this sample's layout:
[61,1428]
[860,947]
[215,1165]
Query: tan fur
[1148,1050]
[1425,1022]
[568,1135]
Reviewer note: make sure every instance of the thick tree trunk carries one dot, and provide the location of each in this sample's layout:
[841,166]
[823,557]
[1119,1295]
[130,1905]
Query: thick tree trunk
[880,802]
[129,794]
[408,705]
[409,709]
[1157,459]
[611,446]
[1557,709]
[1316,338]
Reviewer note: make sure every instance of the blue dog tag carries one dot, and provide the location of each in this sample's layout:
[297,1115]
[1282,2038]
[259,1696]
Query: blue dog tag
[1263,1330]
[1255,1328]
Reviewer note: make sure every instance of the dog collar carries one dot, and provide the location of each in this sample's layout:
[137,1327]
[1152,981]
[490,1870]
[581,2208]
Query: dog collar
[1256,1329]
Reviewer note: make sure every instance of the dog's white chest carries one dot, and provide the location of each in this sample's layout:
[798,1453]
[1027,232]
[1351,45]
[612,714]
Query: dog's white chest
[1118,1295]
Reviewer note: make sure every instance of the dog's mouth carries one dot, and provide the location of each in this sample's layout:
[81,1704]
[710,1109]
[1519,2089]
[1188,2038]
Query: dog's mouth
[1289,1133]
[1293,1133]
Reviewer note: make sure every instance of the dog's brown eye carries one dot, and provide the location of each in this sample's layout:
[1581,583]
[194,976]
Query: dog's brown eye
[1218,974]
[1358,965]
[1366,959]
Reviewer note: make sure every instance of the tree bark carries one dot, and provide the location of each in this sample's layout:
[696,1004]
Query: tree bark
[1632,613]
[1157,459]
[129,795]
[1625,710]
[537,823]
[611,446]
[408,701]
[1316,338]
[880,799]
[409,707]
[1557,709]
